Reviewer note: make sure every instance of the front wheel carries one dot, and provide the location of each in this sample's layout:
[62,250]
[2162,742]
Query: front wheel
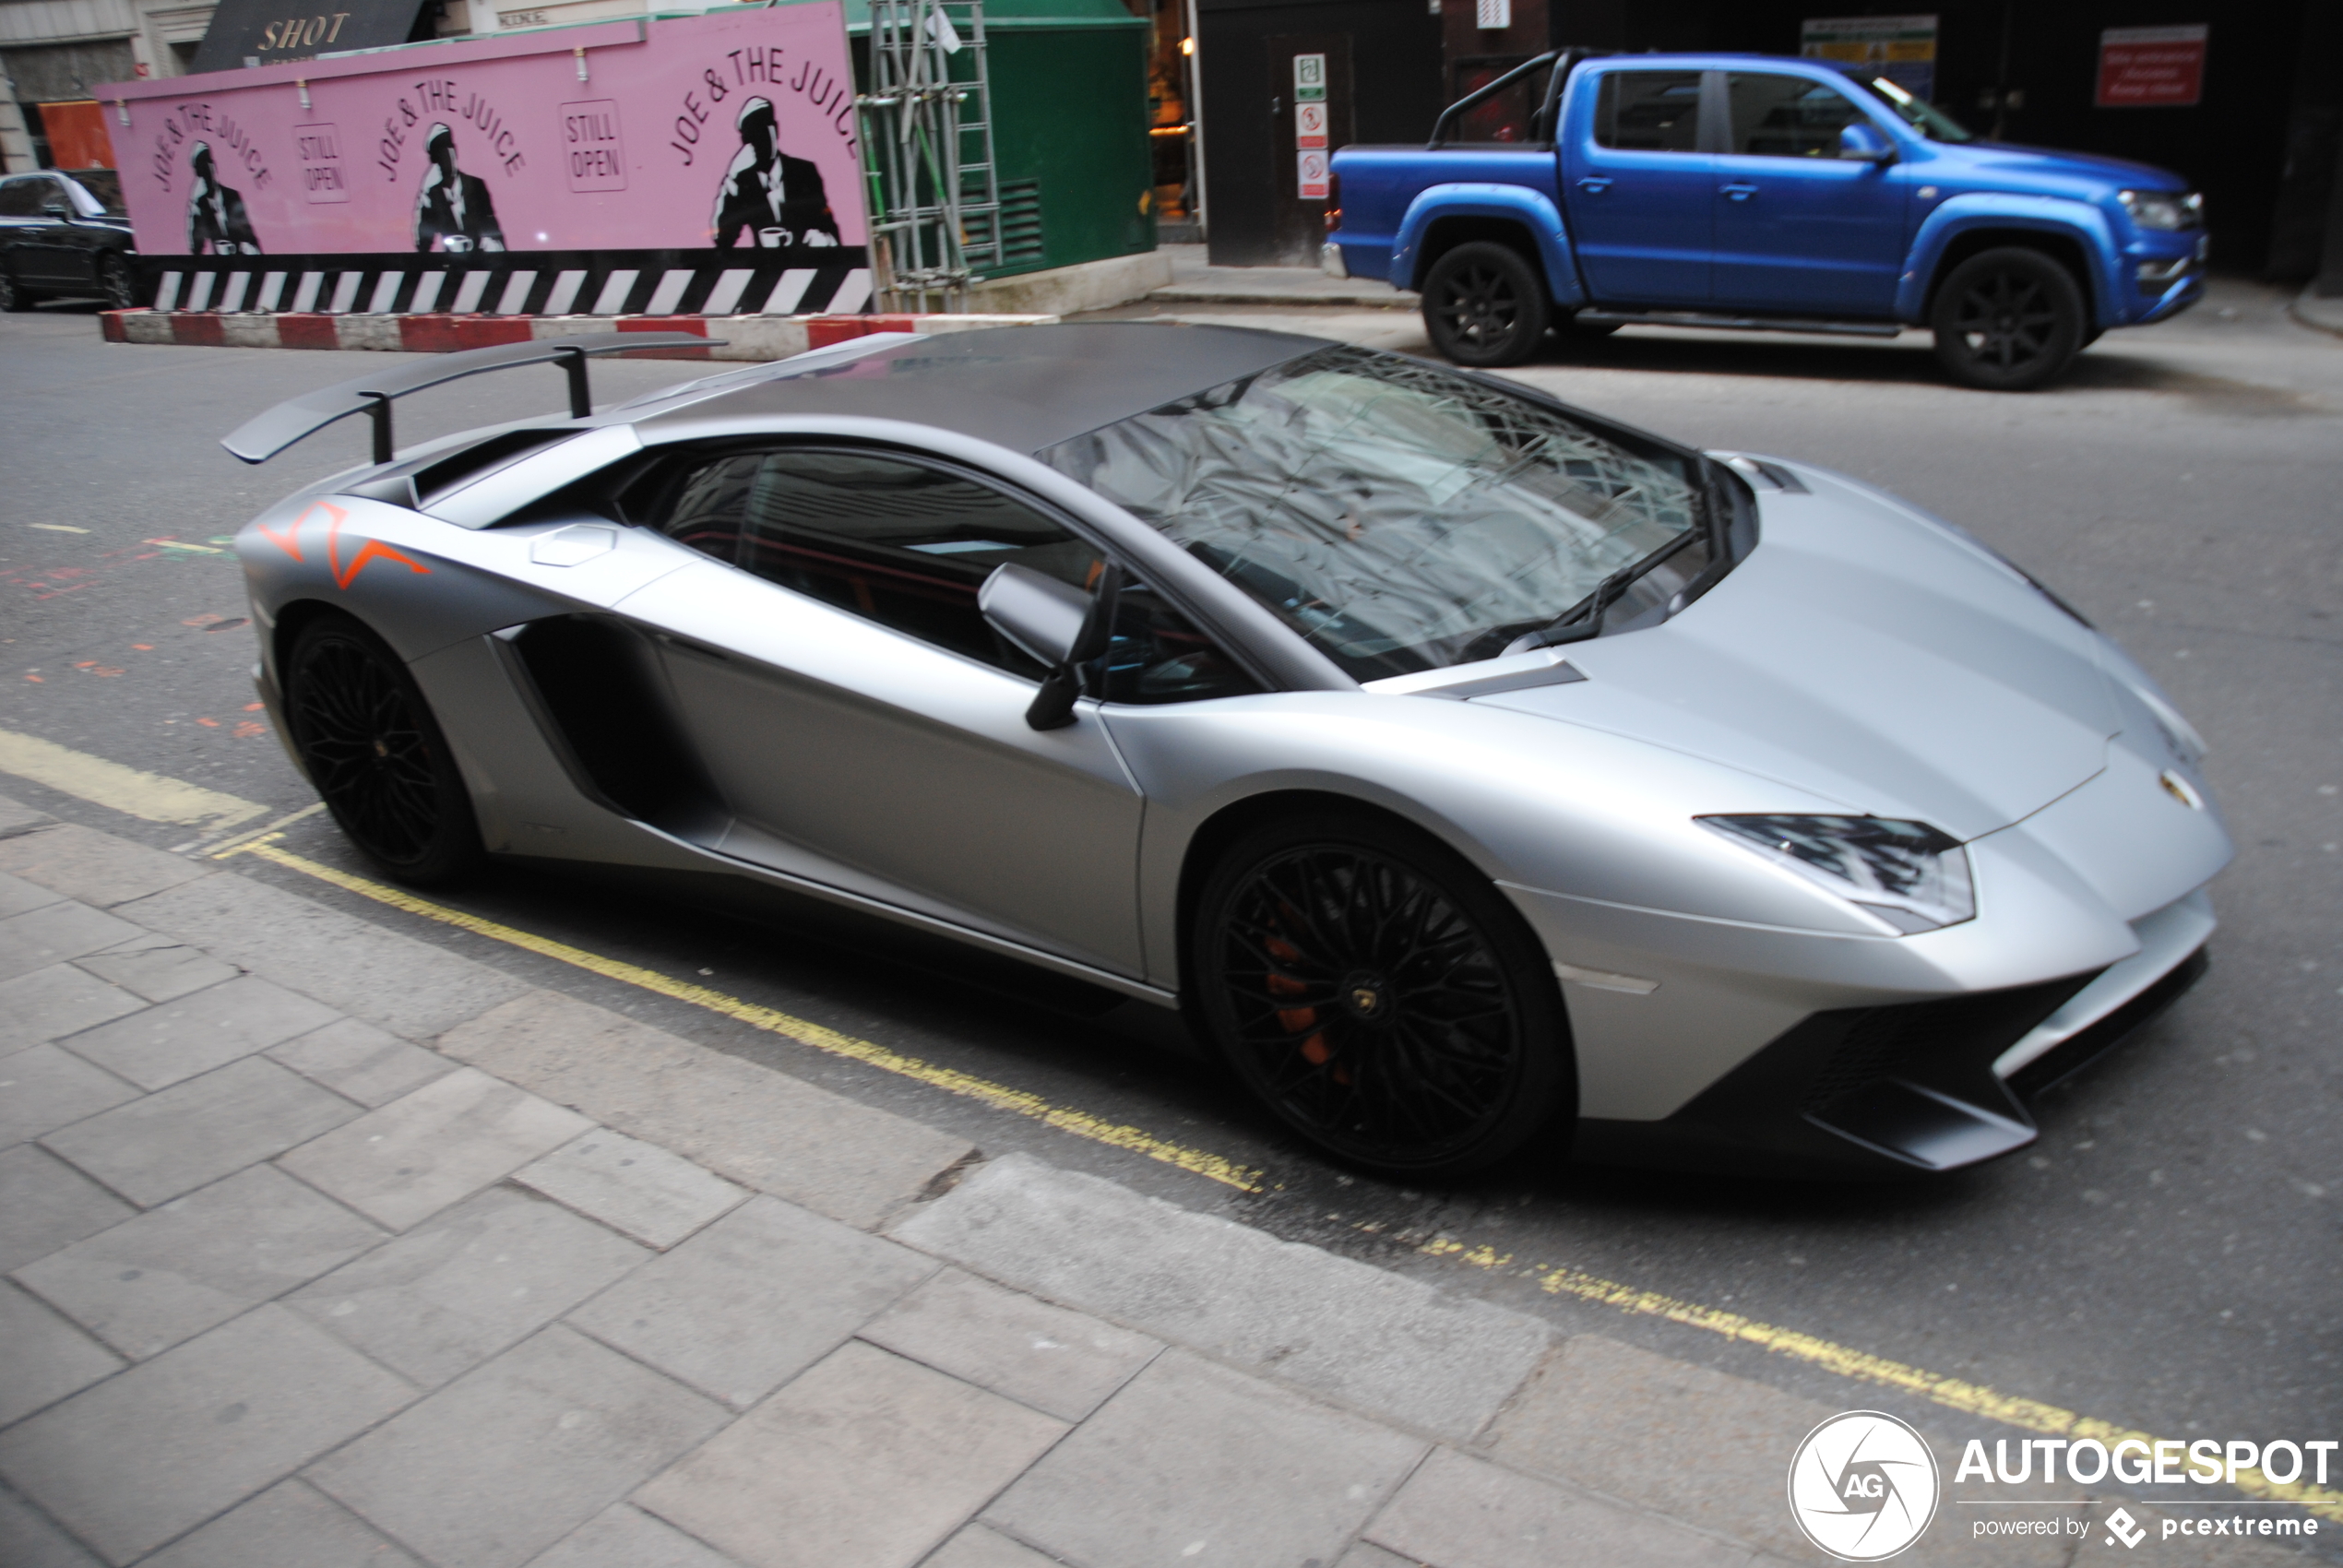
[13,296]
[114,282]
[377,755]
[1379,995]
[1485,306]
[2008,320]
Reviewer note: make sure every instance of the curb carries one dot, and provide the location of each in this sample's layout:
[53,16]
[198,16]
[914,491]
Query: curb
[2320,314]
[742,338]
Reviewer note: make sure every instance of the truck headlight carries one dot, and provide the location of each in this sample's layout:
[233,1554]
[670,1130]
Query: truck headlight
[2162,209]
[1914,876]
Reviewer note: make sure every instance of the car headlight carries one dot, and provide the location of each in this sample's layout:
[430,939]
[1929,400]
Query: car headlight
[2162,209]
[1910,875]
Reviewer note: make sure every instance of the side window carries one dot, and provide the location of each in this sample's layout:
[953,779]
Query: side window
[1777,117]
[896,541]
[1157,656]
[1648,110]
[21,198]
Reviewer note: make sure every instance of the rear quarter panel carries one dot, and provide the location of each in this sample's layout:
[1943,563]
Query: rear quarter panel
[1382,186]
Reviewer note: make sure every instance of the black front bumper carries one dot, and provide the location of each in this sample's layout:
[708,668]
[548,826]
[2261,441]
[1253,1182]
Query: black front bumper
[1901,1090]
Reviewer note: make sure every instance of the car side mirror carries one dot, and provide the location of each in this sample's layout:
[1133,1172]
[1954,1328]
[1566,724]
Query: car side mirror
[1057,623]
[57,210]
[1863,143]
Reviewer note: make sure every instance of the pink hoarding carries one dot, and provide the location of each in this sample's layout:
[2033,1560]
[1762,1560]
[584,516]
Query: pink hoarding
[730,129]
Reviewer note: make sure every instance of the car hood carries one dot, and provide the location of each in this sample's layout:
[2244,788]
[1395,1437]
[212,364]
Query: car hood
[2010,158]
[1868,654]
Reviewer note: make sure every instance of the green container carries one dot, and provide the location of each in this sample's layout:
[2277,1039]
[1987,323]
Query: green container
[1069,81]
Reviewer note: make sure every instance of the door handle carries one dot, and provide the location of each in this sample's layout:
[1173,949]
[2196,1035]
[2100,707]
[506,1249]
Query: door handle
[1595,185]
[1737,191]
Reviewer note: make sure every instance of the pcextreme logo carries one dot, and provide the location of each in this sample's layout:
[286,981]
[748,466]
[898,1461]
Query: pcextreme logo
[1863,1486]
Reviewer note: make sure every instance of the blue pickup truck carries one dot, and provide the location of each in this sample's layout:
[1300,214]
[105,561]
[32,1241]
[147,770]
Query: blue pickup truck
[1745,191]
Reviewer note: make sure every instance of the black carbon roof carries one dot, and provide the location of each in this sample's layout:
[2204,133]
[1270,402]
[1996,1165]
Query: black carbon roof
[1023,388]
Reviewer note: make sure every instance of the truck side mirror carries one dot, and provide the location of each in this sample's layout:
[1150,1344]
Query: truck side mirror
[1863,142]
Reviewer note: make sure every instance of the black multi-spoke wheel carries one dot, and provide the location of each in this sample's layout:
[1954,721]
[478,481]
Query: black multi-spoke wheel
[2008,320]
[114,282]
[1379,996]
[376,754]
[1485,306]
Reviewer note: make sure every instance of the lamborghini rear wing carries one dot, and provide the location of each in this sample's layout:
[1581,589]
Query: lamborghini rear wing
[263,436]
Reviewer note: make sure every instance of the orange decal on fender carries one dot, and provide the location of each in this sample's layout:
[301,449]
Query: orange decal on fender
[372,549]
[290,541]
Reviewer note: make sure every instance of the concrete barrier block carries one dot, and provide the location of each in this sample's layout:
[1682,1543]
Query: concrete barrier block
[248,331]
[367,332]
[147,327]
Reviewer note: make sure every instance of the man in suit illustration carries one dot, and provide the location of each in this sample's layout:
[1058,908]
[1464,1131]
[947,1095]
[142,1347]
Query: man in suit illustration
[776,198]
[217,222]
[452,209]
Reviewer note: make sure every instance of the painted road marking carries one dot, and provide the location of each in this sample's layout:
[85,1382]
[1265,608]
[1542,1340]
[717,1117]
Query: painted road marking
[57,527]
[109,784]
[149,796]
[1971,1398]
[1065,1119]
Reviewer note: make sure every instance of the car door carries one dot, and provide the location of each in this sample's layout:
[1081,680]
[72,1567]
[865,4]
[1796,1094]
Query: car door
[1799,228]
[864,721]
[31,242]
[1640,192]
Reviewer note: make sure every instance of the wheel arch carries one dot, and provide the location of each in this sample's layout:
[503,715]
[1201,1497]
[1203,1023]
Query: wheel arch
[2073,234]
[1212,836]
[1524,220]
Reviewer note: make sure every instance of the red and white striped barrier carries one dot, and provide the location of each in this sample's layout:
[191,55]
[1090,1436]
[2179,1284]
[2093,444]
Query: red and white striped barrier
[744,336]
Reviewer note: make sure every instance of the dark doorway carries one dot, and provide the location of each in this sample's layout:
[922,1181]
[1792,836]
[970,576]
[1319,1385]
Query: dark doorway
[1383,69]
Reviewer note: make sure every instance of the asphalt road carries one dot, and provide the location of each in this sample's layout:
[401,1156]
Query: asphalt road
[2165,1258]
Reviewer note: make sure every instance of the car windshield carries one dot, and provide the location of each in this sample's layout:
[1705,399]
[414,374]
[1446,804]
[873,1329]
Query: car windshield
[106,185]
[1398,516]
[1919,114]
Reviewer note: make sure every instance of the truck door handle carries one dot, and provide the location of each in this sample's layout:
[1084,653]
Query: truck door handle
[1737,191]
[1595,185]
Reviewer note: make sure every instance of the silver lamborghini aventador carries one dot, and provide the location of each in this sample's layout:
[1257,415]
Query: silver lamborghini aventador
[1470,771]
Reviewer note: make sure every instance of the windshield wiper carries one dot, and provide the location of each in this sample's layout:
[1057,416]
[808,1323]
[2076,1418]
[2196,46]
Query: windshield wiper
[1583,619]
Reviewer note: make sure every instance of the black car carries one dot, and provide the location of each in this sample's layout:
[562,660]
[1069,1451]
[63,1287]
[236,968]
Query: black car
[65,235]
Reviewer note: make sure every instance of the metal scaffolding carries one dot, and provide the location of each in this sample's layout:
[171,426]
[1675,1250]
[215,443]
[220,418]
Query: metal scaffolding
[927,149]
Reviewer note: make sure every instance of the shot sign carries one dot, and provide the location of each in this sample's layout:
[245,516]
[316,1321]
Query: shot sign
[1309,125]
[1311,167]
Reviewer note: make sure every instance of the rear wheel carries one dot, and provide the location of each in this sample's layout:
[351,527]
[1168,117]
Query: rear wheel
[2008,320]
[1379,996]
[114,282]
[1484,305]
[377,755]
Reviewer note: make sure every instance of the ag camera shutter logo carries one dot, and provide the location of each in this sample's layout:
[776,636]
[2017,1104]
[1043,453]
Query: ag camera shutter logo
[1863,1486]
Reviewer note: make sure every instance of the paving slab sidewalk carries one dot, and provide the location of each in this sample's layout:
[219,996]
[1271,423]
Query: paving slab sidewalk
[326,1246]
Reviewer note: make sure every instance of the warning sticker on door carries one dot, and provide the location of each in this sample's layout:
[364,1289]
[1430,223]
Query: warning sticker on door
[1309,125]
[1311,167]
[1308,77]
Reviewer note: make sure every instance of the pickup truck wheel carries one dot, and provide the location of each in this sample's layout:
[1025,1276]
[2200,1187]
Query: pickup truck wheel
[1484,305]
[2008,320]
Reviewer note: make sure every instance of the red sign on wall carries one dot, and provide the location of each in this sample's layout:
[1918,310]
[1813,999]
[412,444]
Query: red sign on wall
[2151,68]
